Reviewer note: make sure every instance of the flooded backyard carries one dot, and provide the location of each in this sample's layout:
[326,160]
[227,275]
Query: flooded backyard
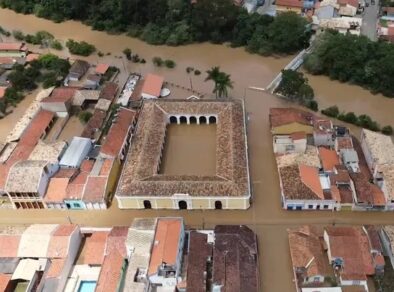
[265,216]
[189,150]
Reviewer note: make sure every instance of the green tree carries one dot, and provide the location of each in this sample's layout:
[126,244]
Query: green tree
[222,81]
[387,130]
[80,48]
[295,86]
[84,116]
[127,53]
[331,111]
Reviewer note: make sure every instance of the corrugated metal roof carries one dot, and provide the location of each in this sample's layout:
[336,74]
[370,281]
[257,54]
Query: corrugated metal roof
[76,152]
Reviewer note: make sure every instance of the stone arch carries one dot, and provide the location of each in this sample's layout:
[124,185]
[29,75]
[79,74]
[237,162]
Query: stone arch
[183,120]
[218,205]
[203,120]
[212,120]
[193,120]
[147,204]
[173,120]
[182,205]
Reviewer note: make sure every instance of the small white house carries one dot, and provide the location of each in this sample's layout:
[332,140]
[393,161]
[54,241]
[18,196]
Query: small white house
[293,143]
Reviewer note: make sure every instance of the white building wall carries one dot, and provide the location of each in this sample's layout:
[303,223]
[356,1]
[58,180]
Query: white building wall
[148,96]
[45,176]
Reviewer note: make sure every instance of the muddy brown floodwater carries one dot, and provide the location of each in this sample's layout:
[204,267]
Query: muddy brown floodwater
[189,150]
[265,216]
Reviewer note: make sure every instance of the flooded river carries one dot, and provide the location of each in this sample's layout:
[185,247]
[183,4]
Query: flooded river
[265,216]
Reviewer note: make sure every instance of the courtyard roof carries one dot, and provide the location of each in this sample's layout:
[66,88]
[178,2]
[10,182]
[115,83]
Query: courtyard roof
[140,177]
[284,116]
[380,146]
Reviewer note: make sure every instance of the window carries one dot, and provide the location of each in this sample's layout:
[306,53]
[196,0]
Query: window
[218,205]
[147,204]
[290,147]
[318,207]
[325,206]
[76,205]
[310,206]
[182,205]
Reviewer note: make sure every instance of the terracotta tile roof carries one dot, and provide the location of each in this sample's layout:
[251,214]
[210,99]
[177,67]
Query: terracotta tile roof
[310,177]
[61,94]
[59,243]
[106,167]
[109,91]
[323,126]
[110,273]
[353,3]
[56,268]
[290,3]
[7,60]
[5,279]
[9,245]
[367,192]
[352,245]
[94,124]
[307,253]
[292,185]
[32,57]
[344,143]
[117,240]
[152,84]
[118,133]
[13,47]
[298,135]
[95,187]
[341,184]
[235,258]
[284,116]
[93,250]
[36,128]
[76,186]
[102,68]
[165,249]
[199,251]
[373,233]
[57,189]
[329,158]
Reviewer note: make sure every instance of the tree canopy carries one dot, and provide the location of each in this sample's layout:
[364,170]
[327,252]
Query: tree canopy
[177,22]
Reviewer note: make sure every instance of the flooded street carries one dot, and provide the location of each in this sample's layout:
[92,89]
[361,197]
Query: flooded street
[265,216]
[189,150]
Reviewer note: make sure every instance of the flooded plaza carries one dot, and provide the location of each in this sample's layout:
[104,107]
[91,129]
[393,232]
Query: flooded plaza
[189,150]
[265,216]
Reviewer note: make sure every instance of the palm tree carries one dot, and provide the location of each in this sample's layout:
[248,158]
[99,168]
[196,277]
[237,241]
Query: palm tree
[222,81]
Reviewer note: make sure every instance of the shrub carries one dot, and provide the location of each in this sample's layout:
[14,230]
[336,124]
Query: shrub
[56,45]
[197,72]
[100,54]
[18,35]
[169,64]
[365,121]
[135,58]
[331,111]
[157,61]
[80,48]
[84,116]
[143,61]
[4,32]
[127,53]
[387,130]
[312,104]
[189,69]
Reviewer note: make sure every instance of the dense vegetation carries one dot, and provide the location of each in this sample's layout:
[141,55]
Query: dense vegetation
[42,38]
[363,121]
[176,22]
[354,59]
[49,70]
[80,48]
[295,87]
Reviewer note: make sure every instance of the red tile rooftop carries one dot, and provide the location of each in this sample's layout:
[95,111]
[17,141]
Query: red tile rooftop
[4,281]
[102,68]
[290,3]
[27,142]
[56,268]
[9,245]
[284,116]
[165,249]
[2,91]
[298,135]
[61,94]
[32,57]
[59,243]
[13,47]
[93,250]
[106,167]
[344,143]
[118,132]
[352,245]
[152,84]
[329,158]
[110,273]
[95,187]
[310,177]
[366,192]
[7,60]
[109,91]
[57,189]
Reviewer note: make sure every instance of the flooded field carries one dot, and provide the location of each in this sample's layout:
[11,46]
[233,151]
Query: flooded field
[189,150]
[265,216]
